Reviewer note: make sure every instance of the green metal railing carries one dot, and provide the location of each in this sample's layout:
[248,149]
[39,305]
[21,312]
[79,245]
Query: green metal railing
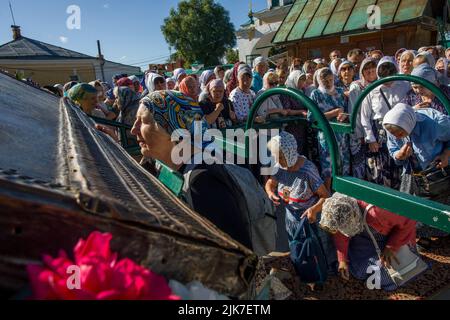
[319,118]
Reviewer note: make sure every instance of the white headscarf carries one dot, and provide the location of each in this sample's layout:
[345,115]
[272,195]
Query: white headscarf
[205,76]
[259,60]
[342,213]
[333,67]
[177,73]
[403,116]
[404,54]
[426,72]
[294,77]
[286,144]
[430,59]
[150,81]
[386,59]
[321,87]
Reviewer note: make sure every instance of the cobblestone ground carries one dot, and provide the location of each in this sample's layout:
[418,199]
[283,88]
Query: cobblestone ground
[427,286]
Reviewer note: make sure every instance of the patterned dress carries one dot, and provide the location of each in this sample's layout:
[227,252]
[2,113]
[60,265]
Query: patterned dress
[327,103]
[297,191]
[242,102]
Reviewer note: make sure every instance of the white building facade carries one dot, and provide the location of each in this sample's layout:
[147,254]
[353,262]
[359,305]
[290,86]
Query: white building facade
[255,39]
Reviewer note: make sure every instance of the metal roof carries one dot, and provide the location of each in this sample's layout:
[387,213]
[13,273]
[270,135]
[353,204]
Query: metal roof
[309,19]
[25,48]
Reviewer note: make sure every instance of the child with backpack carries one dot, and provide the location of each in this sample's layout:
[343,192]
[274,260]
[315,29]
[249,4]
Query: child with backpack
[298,186]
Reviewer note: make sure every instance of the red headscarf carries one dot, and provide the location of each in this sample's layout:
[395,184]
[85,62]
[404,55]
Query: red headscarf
[233,83]
[185,90]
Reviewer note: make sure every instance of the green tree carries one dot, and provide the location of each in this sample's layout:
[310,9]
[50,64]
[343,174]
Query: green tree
[200,30]
[232,56]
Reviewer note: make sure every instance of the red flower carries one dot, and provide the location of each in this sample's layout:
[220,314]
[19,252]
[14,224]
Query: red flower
[98,273]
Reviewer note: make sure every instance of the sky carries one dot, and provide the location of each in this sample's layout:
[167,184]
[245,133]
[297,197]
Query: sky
[129,31]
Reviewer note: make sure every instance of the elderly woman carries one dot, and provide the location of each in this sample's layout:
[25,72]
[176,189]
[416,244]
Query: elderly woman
[406,62]
[333,103]
[420,97]
[260,67]
[350,223]
[179,75]
[207,189]
[273,104]
[205,78]
[380,167]
[243,97]
[189,87]
[346,74]
[419,140]
[443,69]
[298,186]
[219,72]
[154,82]
[127,102]
[398,55]
[86,97]
[218,110]
[170,84]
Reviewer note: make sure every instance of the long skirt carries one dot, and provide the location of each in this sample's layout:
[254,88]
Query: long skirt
[358,158]
[381,168]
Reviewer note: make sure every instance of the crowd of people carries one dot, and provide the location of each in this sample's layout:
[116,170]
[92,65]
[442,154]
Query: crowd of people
[402,129]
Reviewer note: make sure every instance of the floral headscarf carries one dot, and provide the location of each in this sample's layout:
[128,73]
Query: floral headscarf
[342,213]
[79,92]
[173,111]
[125,97]
[286,144]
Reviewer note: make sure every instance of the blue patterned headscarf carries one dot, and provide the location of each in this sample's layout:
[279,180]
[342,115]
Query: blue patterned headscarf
[173,111]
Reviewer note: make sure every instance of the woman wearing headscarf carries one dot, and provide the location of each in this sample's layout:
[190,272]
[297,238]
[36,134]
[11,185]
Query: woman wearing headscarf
[86,97]
[334,67]
[108,112]
[219,72]
[260,67]
[443,69]
[160,115]
[419,140]
[346,76]
[243,97]
[179,75]
[345,218]
[227,77]
[406,62]
[333,103]
[218,110]
[398,55]
[298,186]
[233,82]
[205,78]
[380,167]
[424,57]
[154,82]
[420,97]
[170,83]
[272,105]
[367,75]
[189,87]
[127,102]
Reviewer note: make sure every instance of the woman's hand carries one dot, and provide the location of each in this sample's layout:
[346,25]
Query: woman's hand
[343,270]
[422,105]
[442,160]
[342,117]
[107,130]
[312,217]
[387,257]
[285,113]
[220,107]
[275,199]
[374,147]
[338,112]
[233,116]
[405,152]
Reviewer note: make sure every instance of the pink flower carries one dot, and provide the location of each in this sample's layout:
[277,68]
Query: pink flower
[101,276]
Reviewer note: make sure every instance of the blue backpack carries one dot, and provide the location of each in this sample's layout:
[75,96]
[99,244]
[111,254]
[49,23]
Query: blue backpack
[307,254]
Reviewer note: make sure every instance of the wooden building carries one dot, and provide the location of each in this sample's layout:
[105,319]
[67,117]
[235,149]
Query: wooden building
[314,28]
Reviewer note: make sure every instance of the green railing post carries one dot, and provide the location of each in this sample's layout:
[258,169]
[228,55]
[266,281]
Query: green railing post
[318,115]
